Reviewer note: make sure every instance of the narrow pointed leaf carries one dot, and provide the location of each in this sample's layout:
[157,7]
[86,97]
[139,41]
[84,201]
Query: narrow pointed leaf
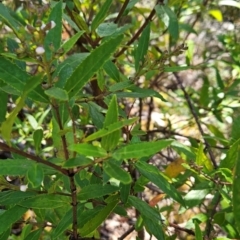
[115,171]
[95,191]
[10,216]
[155,176]
[142,149]
[88,150]
[111,69]
[96,221]
[35,175]
[34,235]
[57,93]
[101,14]
[109,129]
[90,65]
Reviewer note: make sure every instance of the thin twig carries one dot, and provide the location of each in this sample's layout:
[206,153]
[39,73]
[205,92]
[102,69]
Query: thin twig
[126,233]
[176,227]
[5,147]
[193,112]
[121,11]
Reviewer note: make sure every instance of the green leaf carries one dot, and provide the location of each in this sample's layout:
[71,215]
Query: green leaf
[21,81]
[67,46]
[124,192]
[111,128]
[80,22]
[155,176]
[176,68]
[5,235]
[14,197]
[101,79]
[169,18]
[37,138]
[88,150]
[15,167]
[63,224]
[10,216]
[219,80]
[34,235]
[202,159]
[3,108]
[195,197]
[95,191]
[110,141]
[57,93]
[115,171]
[106,29]
[90,65]
[54,36]
[111,69]
[35,175]
[235,133]
[146,211]
[198,232]
[96,115]
[142,47]
[77,162]
[45,201]
[100,16]
[120,86]
[142,149]
[96,221]
[6,17]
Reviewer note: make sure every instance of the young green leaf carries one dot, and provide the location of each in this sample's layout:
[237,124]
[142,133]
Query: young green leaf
[109,129]
[144,208]
[67,46]
[88,150]
[96,221]
[95,191]
[106,29]
[10,216]
[77,162]
[54,36]
[57,93]
[101,14]
[155,176]
[90,65]
[198,232]
[202,159]
[142,149]
[45,201]
[37,138]
[34,235]
[124,192]
[142,47]
[80,22]
[35,175]
[115,171]
[111,69]
[110,141]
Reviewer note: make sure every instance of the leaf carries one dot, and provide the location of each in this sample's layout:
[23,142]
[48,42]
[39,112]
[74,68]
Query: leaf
[8,19]
[219,79]
[57,93]
[10,216]
[63,224]
[155,176]
[88,150]
[151,217]
[155,200]
[176,68]
[109,129]
[174,168]
[198,232]
[21,81]
[100,16]
[142,47]
[34,235]
[80,22]
[96,221]
[15,167]
[115,171]
[45,201]
[37,138]
[195,197]
[96,191]
[120,86]
[5,235]
[77,162]
[111,69]
[35,175]
[110,141]
[54,36]
[139,150]
[14,197]
[124,192]
[169,18]
[96,116]
[106,29]
[67,46]
[101,79]
[90,65]
[3,108]
[202,159]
